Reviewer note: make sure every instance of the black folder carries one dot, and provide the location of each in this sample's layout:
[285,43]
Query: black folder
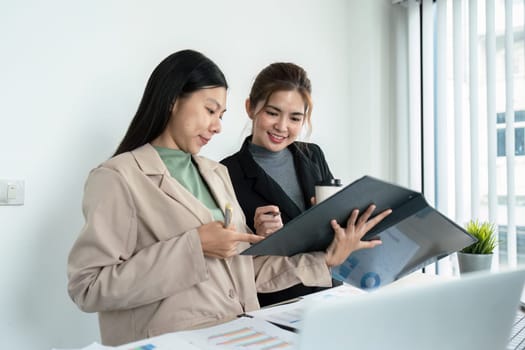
[426,234]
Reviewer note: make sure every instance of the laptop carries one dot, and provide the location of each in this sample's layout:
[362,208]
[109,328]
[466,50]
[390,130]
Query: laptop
[517,334]
[476,311]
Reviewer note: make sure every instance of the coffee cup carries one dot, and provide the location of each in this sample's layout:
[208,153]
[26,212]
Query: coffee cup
[326,189]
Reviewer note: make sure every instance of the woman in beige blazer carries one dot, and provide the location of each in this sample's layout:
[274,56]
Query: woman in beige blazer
[153,255]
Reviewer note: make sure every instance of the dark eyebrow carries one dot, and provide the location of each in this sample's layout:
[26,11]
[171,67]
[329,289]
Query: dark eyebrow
[279,110]
[216,103]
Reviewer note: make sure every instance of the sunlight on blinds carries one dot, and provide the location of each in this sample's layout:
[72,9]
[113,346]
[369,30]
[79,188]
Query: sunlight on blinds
[474,103]
[509,135]
[490,56]
[473,115]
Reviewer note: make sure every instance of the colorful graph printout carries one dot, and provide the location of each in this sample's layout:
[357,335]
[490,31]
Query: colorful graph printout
[243,333]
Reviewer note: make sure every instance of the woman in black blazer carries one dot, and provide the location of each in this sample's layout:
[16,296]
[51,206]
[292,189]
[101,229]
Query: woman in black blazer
[274,175]
[255,188]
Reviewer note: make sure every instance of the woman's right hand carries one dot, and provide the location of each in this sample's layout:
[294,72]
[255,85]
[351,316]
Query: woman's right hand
[267,220]
[220,242]
[348,239]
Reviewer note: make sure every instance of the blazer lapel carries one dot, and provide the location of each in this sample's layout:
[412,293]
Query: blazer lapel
[264,185]
[305,173]
[152,165]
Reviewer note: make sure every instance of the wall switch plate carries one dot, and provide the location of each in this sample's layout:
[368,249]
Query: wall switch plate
[12,192]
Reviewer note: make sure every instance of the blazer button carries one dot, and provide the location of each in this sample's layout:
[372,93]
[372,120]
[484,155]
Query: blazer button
[231,294]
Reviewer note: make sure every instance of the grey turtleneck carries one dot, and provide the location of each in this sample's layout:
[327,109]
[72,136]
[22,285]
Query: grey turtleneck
[280,167]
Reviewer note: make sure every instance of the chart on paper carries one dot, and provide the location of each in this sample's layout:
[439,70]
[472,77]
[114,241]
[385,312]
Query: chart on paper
[245,333]
[248,337]
[372,268]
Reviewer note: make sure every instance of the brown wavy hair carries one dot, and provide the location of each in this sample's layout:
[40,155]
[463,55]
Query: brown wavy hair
[283,76]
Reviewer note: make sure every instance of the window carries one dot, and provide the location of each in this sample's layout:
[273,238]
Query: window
[519,134]
[470,77]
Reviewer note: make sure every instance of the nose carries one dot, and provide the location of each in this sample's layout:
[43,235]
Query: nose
[280,124]
[215,125]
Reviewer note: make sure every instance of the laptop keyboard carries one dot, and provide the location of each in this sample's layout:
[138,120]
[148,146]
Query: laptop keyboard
[517,335]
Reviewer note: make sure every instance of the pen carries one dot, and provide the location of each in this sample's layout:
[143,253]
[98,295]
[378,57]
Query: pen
[273,213]
[228,212]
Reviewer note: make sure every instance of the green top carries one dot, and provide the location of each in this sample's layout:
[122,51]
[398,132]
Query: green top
[181,167]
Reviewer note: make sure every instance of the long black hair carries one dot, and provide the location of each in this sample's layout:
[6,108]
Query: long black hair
[179,74]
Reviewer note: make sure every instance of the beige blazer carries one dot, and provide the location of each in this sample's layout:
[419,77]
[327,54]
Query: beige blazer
[138,260]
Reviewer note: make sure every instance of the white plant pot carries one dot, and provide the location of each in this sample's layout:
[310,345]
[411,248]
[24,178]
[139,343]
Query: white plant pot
[474,262]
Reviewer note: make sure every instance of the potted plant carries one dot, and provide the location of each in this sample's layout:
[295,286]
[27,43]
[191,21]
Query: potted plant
[478,256]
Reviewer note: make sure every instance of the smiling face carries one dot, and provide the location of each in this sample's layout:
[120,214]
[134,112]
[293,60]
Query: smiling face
[278,123]
[194,120]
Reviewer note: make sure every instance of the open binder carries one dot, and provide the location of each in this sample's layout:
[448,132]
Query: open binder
[413,235]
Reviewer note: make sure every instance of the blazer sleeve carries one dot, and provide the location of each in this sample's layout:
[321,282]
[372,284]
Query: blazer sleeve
[105,269]
[273,273]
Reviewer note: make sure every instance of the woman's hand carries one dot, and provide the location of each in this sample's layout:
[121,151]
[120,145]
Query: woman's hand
[220,242]
[346,240]
[267,220]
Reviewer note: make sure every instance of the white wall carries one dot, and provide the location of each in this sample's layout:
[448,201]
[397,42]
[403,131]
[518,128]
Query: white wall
[72,74]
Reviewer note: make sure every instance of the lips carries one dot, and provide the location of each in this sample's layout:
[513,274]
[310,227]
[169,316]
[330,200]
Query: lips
[204,140]
[276,138]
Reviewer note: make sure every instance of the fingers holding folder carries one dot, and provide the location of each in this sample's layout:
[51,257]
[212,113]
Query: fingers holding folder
[348,239]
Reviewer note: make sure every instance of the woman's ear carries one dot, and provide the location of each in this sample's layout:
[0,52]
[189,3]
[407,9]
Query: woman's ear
[174,106]
[248,106]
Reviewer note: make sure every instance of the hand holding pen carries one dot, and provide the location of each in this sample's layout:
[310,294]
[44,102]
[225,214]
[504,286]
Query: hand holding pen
[220,239]
[267,220]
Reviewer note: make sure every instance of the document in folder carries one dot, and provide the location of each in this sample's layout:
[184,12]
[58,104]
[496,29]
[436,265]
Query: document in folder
[413,235]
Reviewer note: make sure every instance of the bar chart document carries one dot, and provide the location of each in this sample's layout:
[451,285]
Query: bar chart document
[242,333]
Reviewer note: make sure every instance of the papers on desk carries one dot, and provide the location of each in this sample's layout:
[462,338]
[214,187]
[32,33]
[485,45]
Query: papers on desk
[92,346]
[289,314]
[166,341]
[242,332]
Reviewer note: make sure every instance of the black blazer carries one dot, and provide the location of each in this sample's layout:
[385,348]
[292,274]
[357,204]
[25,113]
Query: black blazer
[255,188]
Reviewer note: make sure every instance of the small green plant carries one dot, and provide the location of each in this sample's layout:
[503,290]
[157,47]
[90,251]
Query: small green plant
[485,234]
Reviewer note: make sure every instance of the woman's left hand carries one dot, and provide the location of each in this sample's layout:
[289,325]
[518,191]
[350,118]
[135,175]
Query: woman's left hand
[346,240]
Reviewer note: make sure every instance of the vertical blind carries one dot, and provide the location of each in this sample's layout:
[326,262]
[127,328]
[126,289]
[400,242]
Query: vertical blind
[509,135]
[466,114]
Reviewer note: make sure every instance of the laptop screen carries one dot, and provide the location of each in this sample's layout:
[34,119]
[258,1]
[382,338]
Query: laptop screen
[475,311]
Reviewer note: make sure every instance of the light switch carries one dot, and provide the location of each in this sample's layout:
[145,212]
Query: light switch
[11,192]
